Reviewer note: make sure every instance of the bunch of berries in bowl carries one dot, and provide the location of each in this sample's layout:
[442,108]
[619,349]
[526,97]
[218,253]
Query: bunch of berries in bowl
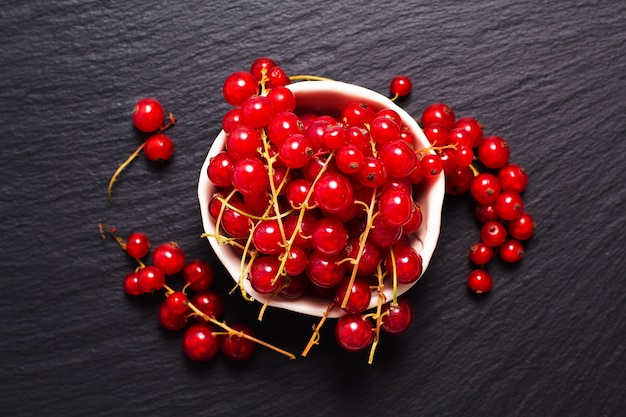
[321,197]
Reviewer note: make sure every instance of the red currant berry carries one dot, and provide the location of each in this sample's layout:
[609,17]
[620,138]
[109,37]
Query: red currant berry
[437,135]
[261,65]
[382,234]
[237,347]
[295,286]
[265,276]
[250,176]
[431,165]
[383,130]
[354,332]
[395,207]
[480,253]
[220,169]
[296,261]
[334,137]
[513,177]
[333,193]
[473,127]
[243,142]
[137,245]
[438,113]
[522,228]
[282,98]
[458,181]
[239,86]
[148,115]
[177,302]
[132,285]
[324,270]
[198,275]
[485,188]
[357,114]
[406,263]
[509,205]
[400,86]
[485,213]
[460,137]
[493,152]
[169,258]
[150,279]
[209,303]
[399,158]
[231,119]
[267,237]
[199,343]
[370,256]
[158,147]
[295,151]
[282,126]
[415,221]
[256,111]
[235,223]
[373,174]
[329,236]
[359,298]
[169,319]
[479,281]
[397,318]
[511,251]
[276,77]
[349,158]
[493,233]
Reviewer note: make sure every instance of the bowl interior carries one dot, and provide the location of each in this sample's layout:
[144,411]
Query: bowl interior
[329,97]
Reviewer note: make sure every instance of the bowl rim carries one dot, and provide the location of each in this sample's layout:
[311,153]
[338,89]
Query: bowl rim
[424,240]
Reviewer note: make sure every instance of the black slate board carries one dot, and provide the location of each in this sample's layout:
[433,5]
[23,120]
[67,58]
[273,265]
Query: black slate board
[550,77]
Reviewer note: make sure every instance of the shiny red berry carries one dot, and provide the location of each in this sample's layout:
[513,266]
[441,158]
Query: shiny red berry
[148,115]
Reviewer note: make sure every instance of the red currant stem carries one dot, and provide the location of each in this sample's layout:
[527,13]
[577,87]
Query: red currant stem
[394,276]
[245,267]
[306,77]
[252,216]
[315,337]
[270,173]
[435,148]
[474,170]
[233,332]
[218,221]
[121,168]
[395,97]
[118,239]
[379,315]
[263,81]
[172,121]
[362,240]
[267,303]
[303,209]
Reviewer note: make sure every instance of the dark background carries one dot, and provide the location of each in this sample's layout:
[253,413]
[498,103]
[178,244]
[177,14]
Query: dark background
[550,77]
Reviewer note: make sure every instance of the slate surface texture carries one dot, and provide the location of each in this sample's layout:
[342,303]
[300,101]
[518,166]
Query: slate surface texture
[548,76]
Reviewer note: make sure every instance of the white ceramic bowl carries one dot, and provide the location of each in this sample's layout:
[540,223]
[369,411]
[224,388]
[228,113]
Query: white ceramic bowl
[329,97]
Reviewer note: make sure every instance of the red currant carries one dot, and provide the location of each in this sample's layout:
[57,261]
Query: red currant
[513,177]
[354,332]
[493,152]
[512,251]
[523,227]
[235,346]
[438,113]
[400,86]
[150,279]
[239,86]
[199,343]
[493,233]
[479,281]
[158,147]
[485,188]
[509,205]
[148,115]
[169,258]
[480,253]
[198,275]
[137,245]
[209,303]
[397,317]
[360,295]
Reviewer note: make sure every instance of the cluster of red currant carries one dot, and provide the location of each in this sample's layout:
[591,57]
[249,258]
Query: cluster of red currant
[196,301]
[149,117]
[480,165]
[320,204]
